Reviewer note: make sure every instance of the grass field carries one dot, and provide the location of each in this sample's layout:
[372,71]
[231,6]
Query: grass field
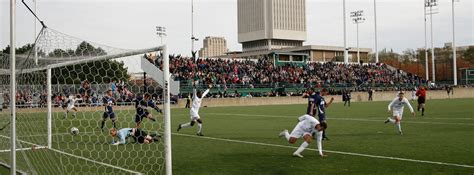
[244,140]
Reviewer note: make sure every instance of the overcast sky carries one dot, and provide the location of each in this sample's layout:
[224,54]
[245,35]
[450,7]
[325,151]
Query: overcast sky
[131,24]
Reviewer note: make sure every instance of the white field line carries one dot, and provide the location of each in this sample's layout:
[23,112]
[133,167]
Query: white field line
[329,151]
[79,157]
[346,119]
[56,134]
[23,149]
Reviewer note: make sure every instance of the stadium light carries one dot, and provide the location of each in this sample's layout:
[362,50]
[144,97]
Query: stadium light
[161,32]
[455,69]
[357,18]
[193,38]
[346,50]
[376,41]
[431,4]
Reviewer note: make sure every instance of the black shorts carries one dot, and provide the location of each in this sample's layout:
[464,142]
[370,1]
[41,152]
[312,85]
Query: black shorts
[139,117]
[109,115]
[421,100]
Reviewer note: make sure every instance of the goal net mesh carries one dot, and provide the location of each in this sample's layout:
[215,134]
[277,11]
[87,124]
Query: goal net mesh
[83,72]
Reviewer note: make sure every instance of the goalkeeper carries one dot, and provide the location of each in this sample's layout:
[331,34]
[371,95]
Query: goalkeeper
[137,134]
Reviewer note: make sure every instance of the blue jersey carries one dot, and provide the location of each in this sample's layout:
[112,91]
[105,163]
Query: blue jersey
[141,105]
[311,110]
[123,134]
[108,102]
[321,107]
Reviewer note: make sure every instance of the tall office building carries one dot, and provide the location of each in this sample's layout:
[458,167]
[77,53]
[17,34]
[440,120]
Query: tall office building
[213,46]
[271,24]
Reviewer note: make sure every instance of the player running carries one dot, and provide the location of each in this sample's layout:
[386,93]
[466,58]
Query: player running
[321,108]
[307,125]
[421,94]
[311,95]
[141,104]
[108,101]
[396,108]
[194,112]
[71,101]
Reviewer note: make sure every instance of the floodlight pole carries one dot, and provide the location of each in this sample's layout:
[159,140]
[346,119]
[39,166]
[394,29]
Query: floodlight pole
[455,69]
[12,87]
[427,69]
[376,41]
[346,50]
[433,67]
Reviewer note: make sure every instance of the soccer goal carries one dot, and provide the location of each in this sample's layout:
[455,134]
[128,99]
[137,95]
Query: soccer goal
[58,99]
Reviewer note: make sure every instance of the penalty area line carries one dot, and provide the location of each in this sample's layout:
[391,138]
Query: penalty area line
[329,151]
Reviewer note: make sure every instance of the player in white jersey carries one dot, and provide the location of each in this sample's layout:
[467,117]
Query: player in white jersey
[396,108]
[194,112]
[71,101]
[413,94]
[306,127]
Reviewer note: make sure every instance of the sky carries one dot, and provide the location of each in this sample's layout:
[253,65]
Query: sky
[130,24]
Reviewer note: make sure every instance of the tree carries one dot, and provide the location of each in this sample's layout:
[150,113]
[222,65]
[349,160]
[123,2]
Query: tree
[99,72]
[468,55]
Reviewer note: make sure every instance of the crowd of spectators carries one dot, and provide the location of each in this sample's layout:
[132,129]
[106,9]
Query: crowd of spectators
[263,71]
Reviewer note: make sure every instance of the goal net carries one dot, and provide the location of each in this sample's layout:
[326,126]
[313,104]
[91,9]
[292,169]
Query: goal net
[70,95]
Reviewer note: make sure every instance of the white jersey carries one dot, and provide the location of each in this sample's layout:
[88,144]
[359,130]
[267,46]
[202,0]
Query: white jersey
[197,103]
[398,105]
[70,103]
[306,126]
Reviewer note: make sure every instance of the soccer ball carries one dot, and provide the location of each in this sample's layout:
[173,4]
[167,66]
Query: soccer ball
[74,131]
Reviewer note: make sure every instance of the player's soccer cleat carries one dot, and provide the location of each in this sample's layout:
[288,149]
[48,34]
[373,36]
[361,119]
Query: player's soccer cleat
[297,155]
[74,115]
[386,121]
[401,133]
[325,138]
[179,128]
[283,133]
[199,134]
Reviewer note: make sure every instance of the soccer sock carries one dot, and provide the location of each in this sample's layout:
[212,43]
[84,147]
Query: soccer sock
[301,148]
[102,125]
[199,127]
[287,136]
[399,127]
[422,110]
[186,125]
[324,134]
[113,123]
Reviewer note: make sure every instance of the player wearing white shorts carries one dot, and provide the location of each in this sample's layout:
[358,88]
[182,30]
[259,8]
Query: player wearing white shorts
[194,112]
[306,127]
[71,101]
[396,108]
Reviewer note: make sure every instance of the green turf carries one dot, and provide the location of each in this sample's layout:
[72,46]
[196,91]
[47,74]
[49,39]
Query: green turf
[445,134]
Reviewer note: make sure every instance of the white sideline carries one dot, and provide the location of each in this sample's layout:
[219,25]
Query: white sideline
[79,157]
[347,119]
[336,152]
[22,149]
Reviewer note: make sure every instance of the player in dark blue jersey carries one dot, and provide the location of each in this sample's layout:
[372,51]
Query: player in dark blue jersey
[141,104]
[321,106]
[108,102]
[311,94]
